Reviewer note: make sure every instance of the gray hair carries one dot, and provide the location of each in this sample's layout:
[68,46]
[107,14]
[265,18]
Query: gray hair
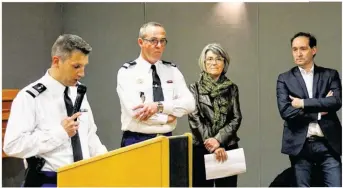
[218,50]
[67,43]
[143,29]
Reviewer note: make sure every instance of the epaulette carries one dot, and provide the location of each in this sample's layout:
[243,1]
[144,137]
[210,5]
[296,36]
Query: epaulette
[35,90]
[168,63]
[128,64]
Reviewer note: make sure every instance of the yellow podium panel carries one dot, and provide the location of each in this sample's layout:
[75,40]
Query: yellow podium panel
[143,164]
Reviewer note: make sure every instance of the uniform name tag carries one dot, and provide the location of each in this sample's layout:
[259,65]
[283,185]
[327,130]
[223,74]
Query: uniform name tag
[83,110]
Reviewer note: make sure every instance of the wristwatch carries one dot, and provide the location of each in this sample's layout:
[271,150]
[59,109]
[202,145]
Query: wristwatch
[159,107]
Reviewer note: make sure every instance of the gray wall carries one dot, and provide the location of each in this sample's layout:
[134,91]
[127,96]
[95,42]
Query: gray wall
[258,45]
[28,32]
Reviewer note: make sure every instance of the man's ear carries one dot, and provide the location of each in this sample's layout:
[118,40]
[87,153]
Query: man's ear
[314,50]
[140,42]
[55,61]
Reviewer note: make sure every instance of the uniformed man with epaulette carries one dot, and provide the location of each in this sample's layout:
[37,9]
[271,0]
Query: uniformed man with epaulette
[42,127]
[152,92]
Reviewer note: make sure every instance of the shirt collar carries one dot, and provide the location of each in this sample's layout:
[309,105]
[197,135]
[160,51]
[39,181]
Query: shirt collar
[54,86]
[145,65]
[303,71]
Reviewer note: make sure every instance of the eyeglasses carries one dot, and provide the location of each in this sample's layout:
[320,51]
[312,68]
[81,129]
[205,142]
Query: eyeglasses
[155,41]
[211,60]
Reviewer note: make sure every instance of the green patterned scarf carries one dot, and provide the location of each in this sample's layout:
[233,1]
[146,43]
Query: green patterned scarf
[216,90]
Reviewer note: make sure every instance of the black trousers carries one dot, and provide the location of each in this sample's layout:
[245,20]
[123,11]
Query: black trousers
[199,174]
[130,138]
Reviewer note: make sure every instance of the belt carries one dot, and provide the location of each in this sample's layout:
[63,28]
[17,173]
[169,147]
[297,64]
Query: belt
[49,177]
[129,133]
[34,178]
[315,138]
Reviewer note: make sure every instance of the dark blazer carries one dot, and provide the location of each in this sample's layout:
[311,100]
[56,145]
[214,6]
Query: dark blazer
[200,120]
[297,120]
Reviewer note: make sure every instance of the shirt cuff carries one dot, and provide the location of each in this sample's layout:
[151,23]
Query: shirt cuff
[163,118]
[167,107]
[319,116]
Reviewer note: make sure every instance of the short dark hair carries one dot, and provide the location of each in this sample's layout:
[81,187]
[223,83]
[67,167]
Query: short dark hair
[312,39]
[67,43]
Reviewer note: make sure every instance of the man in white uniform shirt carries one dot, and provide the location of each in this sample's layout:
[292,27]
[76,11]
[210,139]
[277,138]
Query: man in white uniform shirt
[42,127]
[152,92]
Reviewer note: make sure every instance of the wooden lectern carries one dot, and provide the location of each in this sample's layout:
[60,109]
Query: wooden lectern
[158,162]
[7,97]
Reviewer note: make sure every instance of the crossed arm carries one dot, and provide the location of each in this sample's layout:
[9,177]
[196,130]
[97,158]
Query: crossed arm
[292,108]
[147,111]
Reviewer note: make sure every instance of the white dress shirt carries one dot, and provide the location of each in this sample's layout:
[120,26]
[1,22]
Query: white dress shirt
[136,80]
[34,127]
[313,128]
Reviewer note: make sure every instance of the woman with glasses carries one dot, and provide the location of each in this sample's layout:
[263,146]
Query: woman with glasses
[217,116]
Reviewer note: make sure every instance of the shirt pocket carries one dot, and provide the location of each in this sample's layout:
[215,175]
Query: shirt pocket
[83,120]
[168,91]
[142,90]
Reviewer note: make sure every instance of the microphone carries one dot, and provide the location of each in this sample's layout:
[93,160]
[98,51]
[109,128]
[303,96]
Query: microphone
[81,90]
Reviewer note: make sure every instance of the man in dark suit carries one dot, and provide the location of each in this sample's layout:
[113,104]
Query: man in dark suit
[308,98]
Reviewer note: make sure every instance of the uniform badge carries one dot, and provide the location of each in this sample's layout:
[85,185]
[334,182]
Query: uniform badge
[35,90]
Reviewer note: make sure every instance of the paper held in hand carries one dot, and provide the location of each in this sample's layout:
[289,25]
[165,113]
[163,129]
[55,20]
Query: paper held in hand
[235,164]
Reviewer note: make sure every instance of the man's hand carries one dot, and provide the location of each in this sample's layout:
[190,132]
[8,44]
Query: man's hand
[211,144]
[70,125]
[145,111]
[220,154]
[330,94]
[171,118]
[296,102]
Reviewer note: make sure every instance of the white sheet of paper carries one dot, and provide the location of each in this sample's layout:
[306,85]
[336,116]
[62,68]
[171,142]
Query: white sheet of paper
[235,164]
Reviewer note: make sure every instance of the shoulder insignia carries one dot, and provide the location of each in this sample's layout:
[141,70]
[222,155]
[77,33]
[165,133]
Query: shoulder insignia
[168,63]
[35,90]
[129,64]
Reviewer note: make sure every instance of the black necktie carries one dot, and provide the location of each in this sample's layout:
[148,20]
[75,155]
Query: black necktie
[156,85]
[75,140]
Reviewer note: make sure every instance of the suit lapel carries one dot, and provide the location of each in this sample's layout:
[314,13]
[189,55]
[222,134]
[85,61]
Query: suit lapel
[301,81]
[316,75]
